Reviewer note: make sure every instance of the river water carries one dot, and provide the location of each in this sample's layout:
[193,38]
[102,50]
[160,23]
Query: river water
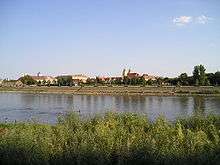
[46,107]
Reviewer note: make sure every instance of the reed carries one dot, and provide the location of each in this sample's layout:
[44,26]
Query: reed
[112,139]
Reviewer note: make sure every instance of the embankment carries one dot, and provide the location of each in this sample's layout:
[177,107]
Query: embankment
[120,90]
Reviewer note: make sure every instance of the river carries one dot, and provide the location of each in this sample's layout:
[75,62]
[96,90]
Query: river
[46,107]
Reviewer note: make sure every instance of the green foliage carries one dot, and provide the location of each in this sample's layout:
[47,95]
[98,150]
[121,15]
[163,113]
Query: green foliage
[112,139]
[90,81]
[217,78]
[44,82]
[199,75]
[211,78]
[199,78]
[64,81]
[39,83]
[28,80]
[99,80]
[159,81]
[149,82]
[48,83]
[183,79]
[134,81]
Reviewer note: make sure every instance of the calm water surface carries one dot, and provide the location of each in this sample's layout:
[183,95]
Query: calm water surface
[46,107]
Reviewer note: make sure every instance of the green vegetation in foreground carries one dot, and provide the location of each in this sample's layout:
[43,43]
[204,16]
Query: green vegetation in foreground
[112,139]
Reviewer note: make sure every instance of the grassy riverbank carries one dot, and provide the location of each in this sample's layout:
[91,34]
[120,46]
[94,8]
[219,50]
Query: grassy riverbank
[112,139]
[120,90]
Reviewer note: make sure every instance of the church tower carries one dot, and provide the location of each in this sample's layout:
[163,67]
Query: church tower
[129,70]
[124,73]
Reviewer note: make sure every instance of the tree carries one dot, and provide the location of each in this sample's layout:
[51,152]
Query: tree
[142,81]
[39,83]
[126,80]
[150,82]
[217,78]
[211,78]
[196,75]
[48,83]
[54,82]
[117,81]
[60,81]
[190,80]
[173,81]
[207,82]
[159,81]
[64,80]
[99,80]
[70,82]
[166,81]
[183,79]
[134,81]
[199,75]
[202,78]
[28,80]
[44,82]
[90,81]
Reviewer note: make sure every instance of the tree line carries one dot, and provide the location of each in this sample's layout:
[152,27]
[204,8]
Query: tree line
[199,78]
[61,81]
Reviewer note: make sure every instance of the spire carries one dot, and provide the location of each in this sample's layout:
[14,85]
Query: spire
[124,73]
[129,70]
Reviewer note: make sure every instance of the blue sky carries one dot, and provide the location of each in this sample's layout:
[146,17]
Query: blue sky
[101,37]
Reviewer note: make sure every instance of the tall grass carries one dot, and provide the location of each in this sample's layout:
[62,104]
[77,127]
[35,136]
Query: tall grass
[112,139]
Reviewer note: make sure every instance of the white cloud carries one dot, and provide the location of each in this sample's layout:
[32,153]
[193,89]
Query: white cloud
[203,19]
[182,20]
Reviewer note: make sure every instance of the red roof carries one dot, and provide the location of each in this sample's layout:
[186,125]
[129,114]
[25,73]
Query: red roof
[132,75]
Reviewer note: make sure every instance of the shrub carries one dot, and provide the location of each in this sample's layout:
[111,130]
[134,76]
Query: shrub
[112,139]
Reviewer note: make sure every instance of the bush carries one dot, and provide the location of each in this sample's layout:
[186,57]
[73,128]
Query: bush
[112,139]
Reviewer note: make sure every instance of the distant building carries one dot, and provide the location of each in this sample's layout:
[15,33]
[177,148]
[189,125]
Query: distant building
[100,79]
[149,77]
[129,74]
[133,75]
[91,80]
[79,78]
[41,79]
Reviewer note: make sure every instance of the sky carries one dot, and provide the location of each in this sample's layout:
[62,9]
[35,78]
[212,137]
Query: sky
[101,37]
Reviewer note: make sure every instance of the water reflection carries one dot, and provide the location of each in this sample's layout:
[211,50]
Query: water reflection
[183,103]
[88,101]
[45,107]
[199,105]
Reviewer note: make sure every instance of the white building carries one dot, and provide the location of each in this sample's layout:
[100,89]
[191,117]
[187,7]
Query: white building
[79,78]
[40,78]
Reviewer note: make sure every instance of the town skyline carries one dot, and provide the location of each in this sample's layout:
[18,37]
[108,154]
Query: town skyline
[128,77]
[39,74]
[99,75]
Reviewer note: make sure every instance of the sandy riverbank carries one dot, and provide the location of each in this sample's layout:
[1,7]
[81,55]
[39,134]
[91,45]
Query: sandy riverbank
[120,90]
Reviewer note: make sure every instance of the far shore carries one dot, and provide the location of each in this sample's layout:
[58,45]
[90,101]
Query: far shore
[120,90]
